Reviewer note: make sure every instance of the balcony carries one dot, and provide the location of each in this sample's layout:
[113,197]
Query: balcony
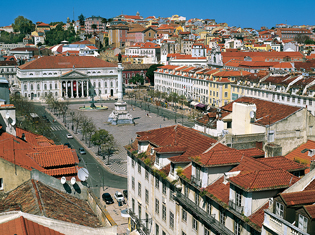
[235,207]
[200,214]
[142,225]
[196,182]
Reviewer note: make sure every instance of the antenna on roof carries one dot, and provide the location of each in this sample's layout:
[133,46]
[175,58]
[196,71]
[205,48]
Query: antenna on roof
[63,180]
[83,174]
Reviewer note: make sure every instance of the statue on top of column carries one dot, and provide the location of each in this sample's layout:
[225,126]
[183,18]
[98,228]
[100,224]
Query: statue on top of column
[119,58]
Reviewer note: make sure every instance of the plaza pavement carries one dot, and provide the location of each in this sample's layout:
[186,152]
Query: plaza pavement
[123,134]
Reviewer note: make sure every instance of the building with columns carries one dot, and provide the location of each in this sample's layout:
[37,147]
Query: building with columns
[67,77]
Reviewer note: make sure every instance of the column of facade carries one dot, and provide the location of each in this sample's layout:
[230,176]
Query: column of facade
[72,89]
[77,89]
[87,89]
[82,93]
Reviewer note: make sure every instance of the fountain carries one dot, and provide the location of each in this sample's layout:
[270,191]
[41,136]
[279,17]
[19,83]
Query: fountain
[93,106]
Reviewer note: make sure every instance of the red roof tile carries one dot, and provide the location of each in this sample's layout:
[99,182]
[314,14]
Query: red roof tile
[311,210]
[267,112]
[258,216]
[299,198]
[220,190]
[264,180]
[283,163]
[253,152]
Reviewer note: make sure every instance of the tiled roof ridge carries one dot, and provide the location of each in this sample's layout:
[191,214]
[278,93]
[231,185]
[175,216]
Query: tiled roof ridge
[38,196]
[75,204]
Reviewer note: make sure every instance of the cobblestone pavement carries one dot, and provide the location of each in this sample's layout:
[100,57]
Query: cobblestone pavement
[123,134]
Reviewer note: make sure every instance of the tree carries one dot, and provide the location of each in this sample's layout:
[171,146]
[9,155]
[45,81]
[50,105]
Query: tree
[301,38]
[23,25]
[150,72]
[101,137]
[137,79]
[94,26]
[77,120]
[81,18]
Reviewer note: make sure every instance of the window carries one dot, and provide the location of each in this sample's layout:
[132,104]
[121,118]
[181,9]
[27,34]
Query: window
[25,88]
[157,229]
[31,86]
[183,233]
[186,190]
[194,224]
[303,223]
[271,136]
[163,233]
[222,217]
[164,189]
[139,168]
[197,198]
[163,212]
[184,215]
[56,86]
[157,183]
[139,189]
[132,163]
[139,210]
[1,183]
[238,197]
[237,228]
[225,94]
[147,175]
[37,86]
[279,209]
[209,208]
[133,205]
[157,206]
[133,183]
[171,220]
[146,196]
[207,232]
[171,195]
[50,86]
[45,87]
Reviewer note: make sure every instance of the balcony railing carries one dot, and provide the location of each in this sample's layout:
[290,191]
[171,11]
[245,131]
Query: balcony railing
[195,181]
[235,207]
[200,214]
[142,225]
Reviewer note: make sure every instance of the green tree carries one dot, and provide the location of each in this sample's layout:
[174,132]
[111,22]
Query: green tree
[150,72]
[81,18]
[55,36]
[94,26]
[101,137]
[23,25]
[137,79]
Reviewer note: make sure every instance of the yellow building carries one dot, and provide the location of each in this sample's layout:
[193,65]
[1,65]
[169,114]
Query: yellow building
[179,29]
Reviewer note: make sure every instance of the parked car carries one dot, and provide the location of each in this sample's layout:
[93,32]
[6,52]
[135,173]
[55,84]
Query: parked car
[107,198]
[82,151]
[69,136]
[119,196]
[125,192]
[67,144]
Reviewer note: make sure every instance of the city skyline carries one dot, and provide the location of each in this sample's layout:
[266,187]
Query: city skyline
[241,14]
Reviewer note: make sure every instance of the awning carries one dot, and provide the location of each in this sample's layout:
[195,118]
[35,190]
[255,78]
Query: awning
[194,103]
[200,105]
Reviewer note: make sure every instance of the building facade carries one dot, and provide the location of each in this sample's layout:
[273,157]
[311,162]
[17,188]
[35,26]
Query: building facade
[67,77]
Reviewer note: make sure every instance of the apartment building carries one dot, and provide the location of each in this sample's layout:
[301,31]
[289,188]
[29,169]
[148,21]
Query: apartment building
[182,182]
[94,25]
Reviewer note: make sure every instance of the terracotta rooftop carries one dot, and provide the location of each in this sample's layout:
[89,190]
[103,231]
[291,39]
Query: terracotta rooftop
[253,152]
[178,136]
[311,210]
[220,190]
[299,198]
[264,180]
[267,112]
[58,62]
[258,217]
[38,199]
[283,163]
[22,226]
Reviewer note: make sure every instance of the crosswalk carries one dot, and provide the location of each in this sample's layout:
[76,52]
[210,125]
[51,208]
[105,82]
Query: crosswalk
[57,128]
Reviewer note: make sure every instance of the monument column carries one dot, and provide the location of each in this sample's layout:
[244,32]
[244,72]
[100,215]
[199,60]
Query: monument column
[120,82]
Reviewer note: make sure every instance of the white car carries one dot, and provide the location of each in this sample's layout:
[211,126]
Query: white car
[119,197]
[69,136]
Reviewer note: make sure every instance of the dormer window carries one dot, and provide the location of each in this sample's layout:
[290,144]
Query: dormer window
[303,223]
[279,209]
[152,151]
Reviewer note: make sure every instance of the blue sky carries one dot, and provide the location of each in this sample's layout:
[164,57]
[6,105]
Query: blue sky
[236,13]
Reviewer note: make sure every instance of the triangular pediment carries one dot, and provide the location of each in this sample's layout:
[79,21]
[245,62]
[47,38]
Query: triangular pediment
[73,74]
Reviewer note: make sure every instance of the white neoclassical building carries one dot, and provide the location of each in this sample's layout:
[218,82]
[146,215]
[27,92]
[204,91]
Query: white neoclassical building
[68,77]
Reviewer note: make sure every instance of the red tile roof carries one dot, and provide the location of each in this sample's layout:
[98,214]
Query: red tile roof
[264,180]
[57,62]
[299,198]
[258,217]
[220,190]
[37,198]
[300,153]
[178,136]
[253,152]
[267,112]
[22,226]
[283,163]
[187,172]
[311,210]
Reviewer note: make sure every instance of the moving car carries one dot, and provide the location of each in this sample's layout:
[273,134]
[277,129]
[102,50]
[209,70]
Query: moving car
[69,136]
[82,151]
[107,198]
[119,196]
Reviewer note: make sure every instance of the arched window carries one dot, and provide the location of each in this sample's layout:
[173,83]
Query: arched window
[38,94]
[94,84]
[99,84]
[31,86]
[111,84]
[106,84]
[45,87]
[25,88]
[56,94]
[56,86]
[38,87]
[116,83]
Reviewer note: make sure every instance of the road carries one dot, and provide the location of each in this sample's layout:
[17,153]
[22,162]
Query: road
[99,176]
